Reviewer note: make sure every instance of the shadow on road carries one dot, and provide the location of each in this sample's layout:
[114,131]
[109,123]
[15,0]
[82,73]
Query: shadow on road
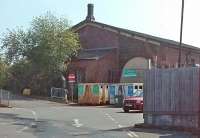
[89,105]
[7,116]
[164,133]
[49,128]
[20,97]
[15,118]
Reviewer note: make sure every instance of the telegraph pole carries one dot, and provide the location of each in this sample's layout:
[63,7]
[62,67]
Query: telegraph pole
[181,32]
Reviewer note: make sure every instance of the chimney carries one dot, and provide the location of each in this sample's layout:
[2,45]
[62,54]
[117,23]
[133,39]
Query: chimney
[90,16]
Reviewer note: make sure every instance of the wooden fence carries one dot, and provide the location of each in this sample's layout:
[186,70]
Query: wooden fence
[172,97]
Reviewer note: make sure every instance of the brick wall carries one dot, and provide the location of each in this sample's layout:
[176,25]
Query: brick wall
[96,71]
[127,48]
[93,37]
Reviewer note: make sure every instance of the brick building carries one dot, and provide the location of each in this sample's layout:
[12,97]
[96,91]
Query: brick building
[107,51]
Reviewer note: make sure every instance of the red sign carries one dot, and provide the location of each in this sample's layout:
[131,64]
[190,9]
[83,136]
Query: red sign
[71,77]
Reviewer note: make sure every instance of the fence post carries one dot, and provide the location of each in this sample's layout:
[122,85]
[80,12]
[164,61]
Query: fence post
[8,98]
[51,93]
[0,95]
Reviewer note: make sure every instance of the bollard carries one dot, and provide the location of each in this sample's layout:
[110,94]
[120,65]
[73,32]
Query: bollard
[66,100]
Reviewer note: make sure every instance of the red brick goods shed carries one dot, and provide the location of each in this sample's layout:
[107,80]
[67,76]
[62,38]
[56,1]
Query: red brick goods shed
[112,54]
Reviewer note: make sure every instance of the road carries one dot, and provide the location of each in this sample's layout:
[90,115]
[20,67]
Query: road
[31,118]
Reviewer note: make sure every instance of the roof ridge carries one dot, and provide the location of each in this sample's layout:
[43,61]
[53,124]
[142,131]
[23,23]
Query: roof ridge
[134,33]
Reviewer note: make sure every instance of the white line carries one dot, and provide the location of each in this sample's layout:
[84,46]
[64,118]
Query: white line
[32,112]
[134,134]
[119,126]
[129,134]
[112,119]
[116,122]
[76,123]
[76,120]
[24,128]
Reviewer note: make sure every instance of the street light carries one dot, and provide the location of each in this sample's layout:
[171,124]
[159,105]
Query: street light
[181,32]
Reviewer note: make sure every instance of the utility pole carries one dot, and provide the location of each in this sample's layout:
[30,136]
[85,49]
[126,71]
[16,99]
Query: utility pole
[181,32]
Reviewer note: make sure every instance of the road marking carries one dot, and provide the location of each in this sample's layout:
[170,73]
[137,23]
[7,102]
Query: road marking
[21,130]
[116,122]
[76,123]
[129,133]
[132,134]
[32,124]
[111,118]
[107,114]
[32,112]
[119,125]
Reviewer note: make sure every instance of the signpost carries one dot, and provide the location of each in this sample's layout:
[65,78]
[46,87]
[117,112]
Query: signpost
[71,80]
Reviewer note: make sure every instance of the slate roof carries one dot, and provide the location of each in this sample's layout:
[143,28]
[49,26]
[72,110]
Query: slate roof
[134,33]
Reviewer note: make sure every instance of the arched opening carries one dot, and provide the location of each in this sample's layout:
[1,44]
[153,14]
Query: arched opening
[133,70]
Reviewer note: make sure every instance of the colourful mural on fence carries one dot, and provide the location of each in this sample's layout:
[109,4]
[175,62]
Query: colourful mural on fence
[98,93]
[92,94]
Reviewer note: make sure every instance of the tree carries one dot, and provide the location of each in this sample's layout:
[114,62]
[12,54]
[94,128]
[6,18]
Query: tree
[38,53]
[3,73]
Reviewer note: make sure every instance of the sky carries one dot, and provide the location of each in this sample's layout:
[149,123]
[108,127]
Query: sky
[159,18]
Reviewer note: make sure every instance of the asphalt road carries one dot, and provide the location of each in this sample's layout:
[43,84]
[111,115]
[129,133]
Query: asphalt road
[30,118]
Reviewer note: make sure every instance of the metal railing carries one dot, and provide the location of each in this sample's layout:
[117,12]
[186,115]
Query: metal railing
[4,97]
[59,93]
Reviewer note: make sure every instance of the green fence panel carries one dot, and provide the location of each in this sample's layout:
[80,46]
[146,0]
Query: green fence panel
[80,90]
[95,89]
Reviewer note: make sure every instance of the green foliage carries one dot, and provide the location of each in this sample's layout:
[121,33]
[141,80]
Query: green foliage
[3,73]
[38,53]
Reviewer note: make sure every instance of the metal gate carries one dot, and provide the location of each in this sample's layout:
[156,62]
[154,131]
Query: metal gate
[59,93]
[4,97]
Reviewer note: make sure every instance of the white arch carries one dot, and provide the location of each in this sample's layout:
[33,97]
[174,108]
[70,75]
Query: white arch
[135,63]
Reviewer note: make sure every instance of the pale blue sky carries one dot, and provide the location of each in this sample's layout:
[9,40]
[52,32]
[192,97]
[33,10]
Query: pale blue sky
[156,17]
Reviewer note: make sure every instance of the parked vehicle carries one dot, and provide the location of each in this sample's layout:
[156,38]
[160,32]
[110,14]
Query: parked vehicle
[134,102]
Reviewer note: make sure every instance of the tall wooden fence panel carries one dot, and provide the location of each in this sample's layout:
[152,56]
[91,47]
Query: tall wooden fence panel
[172,97]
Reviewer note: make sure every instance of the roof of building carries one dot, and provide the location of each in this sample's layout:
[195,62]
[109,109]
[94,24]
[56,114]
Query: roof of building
[93,54]
[134,33]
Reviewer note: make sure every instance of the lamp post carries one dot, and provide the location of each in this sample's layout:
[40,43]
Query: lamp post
[181,32]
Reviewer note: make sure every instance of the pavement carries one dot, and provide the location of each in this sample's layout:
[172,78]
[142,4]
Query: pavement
[32,118]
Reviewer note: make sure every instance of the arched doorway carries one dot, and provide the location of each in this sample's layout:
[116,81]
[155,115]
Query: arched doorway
[133,70]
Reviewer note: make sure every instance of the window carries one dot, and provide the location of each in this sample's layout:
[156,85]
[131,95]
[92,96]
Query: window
[136,87]
[140,87]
